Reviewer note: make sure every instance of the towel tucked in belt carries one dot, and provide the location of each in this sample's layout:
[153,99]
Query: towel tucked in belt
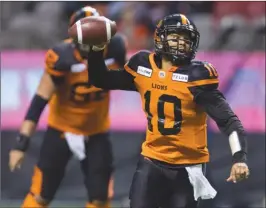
[76,144]
[202,187]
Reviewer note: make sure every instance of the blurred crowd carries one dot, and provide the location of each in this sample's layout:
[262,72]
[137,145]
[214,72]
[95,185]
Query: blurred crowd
[223,25]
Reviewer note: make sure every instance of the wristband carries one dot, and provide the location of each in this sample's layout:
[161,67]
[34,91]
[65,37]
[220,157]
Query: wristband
[22,143]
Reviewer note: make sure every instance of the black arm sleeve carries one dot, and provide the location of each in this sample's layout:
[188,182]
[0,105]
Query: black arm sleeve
[36,108]
[101,77]
[216,106]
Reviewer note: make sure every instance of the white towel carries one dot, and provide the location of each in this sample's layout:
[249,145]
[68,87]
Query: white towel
[201,186]
[76,144]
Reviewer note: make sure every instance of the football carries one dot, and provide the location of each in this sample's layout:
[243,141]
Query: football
[93,30]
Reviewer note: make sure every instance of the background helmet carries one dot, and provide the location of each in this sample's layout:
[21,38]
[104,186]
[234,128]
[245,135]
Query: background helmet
[176,23]
[86,11]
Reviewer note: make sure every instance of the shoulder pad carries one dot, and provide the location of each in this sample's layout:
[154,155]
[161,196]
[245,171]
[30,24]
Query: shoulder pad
[58,60]
[116,50]
[117,40]
[140,58]
[199,70]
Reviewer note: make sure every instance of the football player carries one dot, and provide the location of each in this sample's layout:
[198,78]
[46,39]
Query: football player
[177,94]
[78,122]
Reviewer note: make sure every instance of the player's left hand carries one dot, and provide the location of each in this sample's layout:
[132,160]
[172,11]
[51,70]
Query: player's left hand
[239,172]
[16,158]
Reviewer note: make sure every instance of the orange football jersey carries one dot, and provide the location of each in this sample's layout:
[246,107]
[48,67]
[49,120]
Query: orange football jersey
[176,131]
[77,106]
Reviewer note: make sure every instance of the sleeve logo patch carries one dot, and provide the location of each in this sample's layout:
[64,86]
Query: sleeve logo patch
[144,71]
[109,61]
[180,77]
[76,68]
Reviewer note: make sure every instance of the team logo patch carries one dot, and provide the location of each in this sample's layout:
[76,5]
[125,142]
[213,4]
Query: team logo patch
[75,68]
[109,61]
[144,71]
[180,77]
[162,74]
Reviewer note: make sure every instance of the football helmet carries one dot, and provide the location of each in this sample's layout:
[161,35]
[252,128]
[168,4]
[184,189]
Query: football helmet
[86,11]
[176,24]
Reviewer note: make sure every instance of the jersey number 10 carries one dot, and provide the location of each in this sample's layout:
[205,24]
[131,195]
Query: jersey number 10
[161,116]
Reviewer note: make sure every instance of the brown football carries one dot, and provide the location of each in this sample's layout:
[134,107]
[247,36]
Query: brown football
[92,30]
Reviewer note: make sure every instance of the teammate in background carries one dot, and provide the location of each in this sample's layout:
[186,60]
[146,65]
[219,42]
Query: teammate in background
[177,94]
[78,122]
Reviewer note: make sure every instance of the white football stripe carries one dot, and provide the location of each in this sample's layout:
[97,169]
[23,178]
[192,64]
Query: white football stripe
[108,29]
[79,31]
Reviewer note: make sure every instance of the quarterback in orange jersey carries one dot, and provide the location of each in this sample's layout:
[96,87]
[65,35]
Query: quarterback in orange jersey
[78,122]
[177,95]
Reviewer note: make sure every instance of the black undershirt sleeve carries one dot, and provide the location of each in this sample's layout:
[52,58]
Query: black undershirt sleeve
[216,106]
[101,77]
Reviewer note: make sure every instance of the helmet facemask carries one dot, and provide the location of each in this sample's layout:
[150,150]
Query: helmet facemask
[181,47]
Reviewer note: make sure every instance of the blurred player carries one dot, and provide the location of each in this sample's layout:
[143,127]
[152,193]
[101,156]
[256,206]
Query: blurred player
[78,122]
[177,94]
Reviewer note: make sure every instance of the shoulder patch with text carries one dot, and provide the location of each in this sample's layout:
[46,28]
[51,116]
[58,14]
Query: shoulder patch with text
[144,71]
[180,77]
